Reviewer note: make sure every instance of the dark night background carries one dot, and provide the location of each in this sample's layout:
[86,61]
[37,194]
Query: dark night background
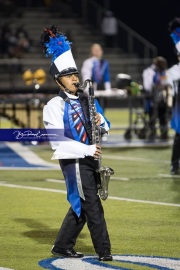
[150,19]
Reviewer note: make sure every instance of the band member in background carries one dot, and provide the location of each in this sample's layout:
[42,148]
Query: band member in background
[109,29]
[96,68]
[174,71]
[70,112]
[158,94]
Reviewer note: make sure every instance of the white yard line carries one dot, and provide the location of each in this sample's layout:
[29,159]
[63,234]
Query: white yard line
[55,181]
[143,201]
[110,197]
[120,178]
[169,175]
[135,159]
[33,188]
[49,168]
[63,182]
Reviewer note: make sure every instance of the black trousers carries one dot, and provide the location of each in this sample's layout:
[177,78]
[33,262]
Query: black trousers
[175,158]
[91,212]
[158,112]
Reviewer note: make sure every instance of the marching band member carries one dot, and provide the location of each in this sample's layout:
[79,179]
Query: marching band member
[70,112]
[157,86]
[174,71]
[96,68]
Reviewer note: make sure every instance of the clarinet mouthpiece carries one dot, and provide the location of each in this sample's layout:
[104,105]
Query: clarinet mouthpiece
[76,85]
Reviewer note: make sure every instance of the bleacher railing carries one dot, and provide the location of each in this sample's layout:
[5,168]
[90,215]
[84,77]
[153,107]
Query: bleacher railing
[128,39]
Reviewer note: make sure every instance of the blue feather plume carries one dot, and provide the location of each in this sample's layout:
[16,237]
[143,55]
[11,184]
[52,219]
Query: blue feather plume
[56,46]
[54,42]
[175,35]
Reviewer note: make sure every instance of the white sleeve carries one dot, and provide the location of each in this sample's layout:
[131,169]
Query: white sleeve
[107,86]
[65,148]
[178,46]
[73,149]
[174,72]
[86,70]
[148,79]
[53,118]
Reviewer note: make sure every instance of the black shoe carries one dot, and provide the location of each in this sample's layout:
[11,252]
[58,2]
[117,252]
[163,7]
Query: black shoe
[174,170]
[68,253]
[105,255]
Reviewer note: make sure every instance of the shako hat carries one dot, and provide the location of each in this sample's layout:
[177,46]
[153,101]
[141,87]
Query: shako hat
[55,44]
[174,29]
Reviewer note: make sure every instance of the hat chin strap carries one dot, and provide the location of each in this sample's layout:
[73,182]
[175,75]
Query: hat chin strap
[65,89]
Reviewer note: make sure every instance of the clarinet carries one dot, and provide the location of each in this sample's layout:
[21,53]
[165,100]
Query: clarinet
[103,173]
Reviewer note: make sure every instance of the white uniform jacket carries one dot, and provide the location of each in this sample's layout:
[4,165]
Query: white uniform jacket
[58,114]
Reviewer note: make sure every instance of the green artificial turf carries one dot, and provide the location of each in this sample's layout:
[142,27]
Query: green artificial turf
[30,219]
[142,210]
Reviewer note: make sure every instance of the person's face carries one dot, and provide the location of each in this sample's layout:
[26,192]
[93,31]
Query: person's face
[97,51]
[69,81]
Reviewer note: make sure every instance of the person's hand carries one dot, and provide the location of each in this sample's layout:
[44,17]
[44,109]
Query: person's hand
[98,152]
[98,119]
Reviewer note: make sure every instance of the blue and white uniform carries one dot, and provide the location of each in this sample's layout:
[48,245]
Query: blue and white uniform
[97,70]
[79,169]
[174,72]
[58,114]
